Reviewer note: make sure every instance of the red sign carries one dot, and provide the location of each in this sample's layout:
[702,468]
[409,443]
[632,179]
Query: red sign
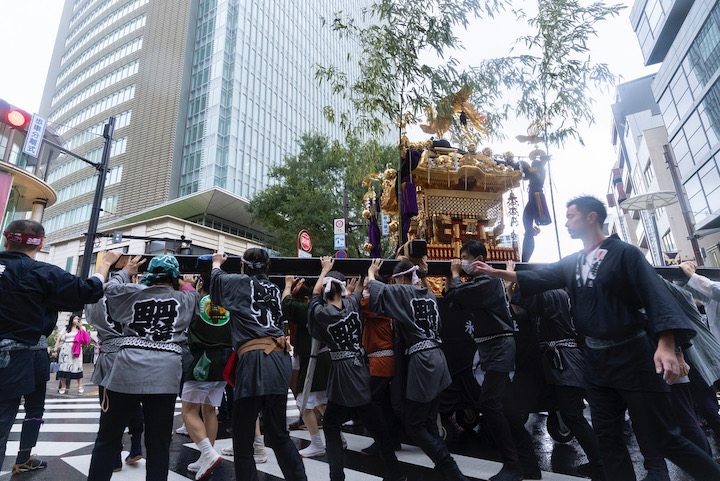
[304,241]
[341,254]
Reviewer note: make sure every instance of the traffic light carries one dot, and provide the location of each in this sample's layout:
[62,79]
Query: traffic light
[13,116]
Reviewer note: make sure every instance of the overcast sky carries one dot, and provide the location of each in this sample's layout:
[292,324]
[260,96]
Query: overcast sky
[30,27]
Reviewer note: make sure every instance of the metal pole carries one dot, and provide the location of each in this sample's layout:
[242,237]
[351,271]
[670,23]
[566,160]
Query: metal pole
[684,204]
[552,202]
[97,201]
[657,237]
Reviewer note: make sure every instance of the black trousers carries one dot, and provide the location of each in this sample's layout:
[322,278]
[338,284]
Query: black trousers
[706,405]
[420,421]
[570,400]
[495,416]
[335,415]
[381,401]
[136,423]
[273,407]
[34,409]
[158,410]
[651,412]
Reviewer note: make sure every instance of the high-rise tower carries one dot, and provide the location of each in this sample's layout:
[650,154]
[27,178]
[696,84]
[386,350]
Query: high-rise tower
[207,93]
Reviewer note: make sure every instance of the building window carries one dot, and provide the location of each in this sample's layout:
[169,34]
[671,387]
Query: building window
[648,174]
[668,242]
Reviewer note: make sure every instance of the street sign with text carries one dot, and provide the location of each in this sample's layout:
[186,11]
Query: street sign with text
[35,133]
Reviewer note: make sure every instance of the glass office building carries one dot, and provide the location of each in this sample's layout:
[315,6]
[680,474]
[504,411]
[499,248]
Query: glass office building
[687,89]
[206,93]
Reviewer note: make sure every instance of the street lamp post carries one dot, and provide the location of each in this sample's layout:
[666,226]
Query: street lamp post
[102,169]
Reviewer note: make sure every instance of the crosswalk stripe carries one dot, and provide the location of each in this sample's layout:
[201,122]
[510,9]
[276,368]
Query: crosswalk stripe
[475,467]
[314,469]
[73,415]
[129,473]
[61,428]
[48,448]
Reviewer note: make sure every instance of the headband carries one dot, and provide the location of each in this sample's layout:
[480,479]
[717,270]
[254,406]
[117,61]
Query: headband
[297,287]
[26,239]
[330,280]
[253,265]
[413,269]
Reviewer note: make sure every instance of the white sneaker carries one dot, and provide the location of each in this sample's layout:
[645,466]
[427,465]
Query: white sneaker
[228,451]
[312,451]
[259,452]
[207,466]
[182,430]
[194,467]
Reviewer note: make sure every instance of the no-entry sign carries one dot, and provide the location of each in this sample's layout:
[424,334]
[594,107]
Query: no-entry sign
[304,243]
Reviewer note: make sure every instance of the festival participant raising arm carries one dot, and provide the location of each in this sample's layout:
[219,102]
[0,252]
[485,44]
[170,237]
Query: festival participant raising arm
[335,320]
[629,354]
[415,310]
[262,375]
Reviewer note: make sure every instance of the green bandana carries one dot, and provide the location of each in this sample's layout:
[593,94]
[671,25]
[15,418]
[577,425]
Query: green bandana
[161,269]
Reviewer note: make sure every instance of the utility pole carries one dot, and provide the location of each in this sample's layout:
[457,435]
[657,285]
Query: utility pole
[102,169]
[684,204]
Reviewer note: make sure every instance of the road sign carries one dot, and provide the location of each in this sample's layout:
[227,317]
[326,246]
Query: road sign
[304,243]
[304,255]
[34,137]
[339,226]
[340,242]
[341,254]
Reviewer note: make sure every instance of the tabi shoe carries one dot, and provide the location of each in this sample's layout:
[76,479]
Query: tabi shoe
[30,465]
[207,466]
[135,454]
[259,451]
[228,451]
[194,467]
[509,474]
[117,466]
[316,448]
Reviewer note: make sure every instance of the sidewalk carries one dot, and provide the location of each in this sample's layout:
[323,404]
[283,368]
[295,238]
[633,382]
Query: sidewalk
[91,390]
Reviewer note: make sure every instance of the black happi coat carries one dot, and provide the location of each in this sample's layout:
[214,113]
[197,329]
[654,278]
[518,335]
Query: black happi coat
[417,316]
[550,310]
[492,326]
[608,306]
[341,330]
[254,306]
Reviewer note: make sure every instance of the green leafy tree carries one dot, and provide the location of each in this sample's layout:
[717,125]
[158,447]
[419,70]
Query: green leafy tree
[402,60]
[308,193]
[559,71]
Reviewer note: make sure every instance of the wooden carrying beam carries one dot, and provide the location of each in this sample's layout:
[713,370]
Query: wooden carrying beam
[280,266]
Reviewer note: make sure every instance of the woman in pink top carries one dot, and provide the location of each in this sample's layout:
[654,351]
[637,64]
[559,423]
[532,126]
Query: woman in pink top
[70,358]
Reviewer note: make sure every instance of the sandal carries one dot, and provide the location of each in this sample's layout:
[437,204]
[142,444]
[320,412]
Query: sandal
[61,391]
[30,465]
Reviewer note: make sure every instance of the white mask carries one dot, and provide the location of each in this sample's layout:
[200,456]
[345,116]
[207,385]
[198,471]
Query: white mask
[365,293]
[467,267]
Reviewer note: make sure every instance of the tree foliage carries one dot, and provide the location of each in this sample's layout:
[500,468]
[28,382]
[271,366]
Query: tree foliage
[402,60]
[558,71]
[308,192]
